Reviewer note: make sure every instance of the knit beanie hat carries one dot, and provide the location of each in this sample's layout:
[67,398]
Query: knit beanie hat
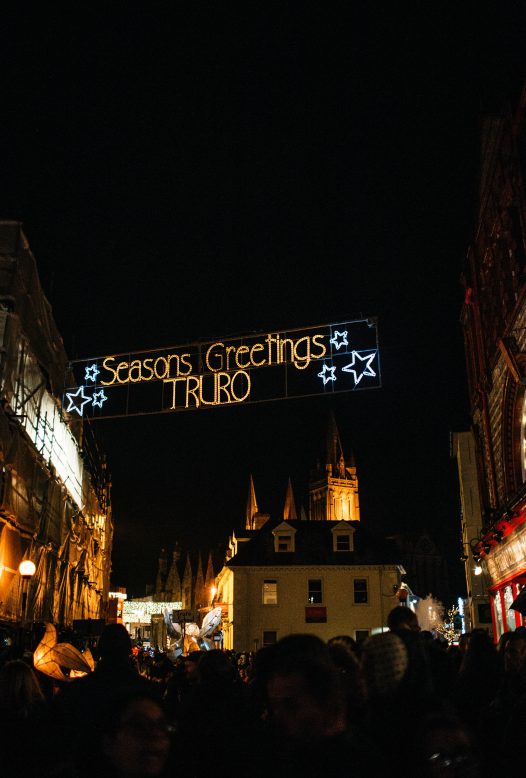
[385,662]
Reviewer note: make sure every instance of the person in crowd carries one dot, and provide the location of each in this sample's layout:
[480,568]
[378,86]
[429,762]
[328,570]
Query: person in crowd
[458,652]
[216,710]
[352,680]
[431,671]
[23,712]
[78,706]
[161,670]
[443,747]
[400,697]
[132,739]
[477,682]
[306,713]
[402,618]
[135,738]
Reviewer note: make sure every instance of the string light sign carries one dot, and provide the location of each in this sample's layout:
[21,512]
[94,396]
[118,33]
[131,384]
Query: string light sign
[324,359]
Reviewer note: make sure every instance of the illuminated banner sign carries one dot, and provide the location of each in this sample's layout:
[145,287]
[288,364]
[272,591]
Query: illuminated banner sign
[325,359]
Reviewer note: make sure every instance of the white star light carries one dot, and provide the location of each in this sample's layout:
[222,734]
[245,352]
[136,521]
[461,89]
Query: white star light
[339,343]
[365,369]
[327,374]
[91,373]
[99,398]
[77,400]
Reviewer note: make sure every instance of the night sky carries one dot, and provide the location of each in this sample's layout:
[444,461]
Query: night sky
[187,172]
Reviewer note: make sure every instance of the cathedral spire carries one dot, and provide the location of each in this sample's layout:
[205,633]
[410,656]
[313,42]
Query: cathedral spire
[161,572]
[333,449]
[336,464]
[289,509]
[333,492]
[252,506]
[173,581]
[210,579]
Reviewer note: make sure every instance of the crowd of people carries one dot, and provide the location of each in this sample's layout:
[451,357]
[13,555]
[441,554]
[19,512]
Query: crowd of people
[402,703]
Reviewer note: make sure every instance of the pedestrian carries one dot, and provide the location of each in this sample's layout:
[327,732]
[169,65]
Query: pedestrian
[23,713]
[79,705]
[307,729]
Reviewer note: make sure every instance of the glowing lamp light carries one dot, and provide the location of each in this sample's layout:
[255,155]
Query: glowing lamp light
[477,570]
[27,568]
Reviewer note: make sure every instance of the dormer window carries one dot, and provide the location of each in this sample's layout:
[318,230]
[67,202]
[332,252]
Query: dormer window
[284,540]
[343,537]
[343,542]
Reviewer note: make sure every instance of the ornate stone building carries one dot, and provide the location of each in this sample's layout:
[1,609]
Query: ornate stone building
[494,324]
[54,489]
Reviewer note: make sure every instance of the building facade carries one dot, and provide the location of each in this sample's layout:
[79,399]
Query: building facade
[54,490]
[322,575]
[494,325]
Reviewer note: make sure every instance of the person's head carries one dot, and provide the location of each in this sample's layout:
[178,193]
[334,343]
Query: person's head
[385,663]
[135,737]
[443,747]
[503,640]
[303,689]
[345,640]
[191,665]
[463,642]
[402,617]
[351,673]
[114,643]
[216,669]
[515,653]
[20,690]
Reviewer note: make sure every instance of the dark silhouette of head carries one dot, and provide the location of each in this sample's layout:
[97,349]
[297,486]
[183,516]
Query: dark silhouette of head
[114,643]
[402,617]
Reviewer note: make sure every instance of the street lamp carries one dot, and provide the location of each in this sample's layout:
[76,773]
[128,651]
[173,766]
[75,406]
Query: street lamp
[27,569]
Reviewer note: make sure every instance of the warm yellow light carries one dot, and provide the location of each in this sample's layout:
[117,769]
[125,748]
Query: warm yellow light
[213,590]
[477,570]
[26,568]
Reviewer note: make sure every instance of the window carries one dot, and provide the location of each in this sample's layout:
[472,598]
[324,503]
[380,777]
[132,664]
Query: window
[270,592]
[270,637]
[315,593]
[284,538]
[361,635]
[360,591]
[342,537]
[343,542]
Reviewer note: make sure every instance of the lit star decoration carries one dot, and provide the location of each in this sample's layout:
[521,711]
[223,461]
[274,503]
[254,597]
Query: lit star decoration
[77,400]
[327,374]
[91,373]
[98,399]
[339,343]
[363,369]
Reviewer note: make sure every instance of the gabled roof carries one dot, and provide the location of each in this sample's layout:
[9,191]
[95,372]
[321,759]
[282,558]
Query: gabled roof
[314,546]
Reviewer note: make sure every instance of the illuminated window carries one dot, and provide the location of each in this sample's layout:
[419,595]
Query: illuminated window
[360,591]
[270,592]
[315,593]
[270,637]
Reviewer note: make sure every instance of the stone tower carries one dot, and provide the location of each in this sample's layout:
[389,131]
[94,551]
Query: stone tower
[333,489]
